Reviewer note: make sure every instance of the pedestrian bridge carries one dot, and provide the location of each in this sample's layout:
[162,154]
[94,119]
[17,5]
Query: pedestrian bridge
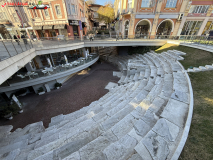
[14,56]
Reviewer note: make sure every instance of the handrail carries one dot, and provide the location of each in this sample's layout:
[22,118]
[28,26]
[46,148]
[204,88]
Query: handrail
[12,47]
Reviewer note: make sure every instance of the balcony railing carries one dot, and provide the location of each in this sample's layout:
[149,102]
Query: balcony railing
[11,47]
[48,71]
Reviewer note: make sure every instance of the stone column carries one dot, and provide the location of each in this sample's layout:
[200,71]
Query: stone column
[181,26]
[203,26]
[131,26]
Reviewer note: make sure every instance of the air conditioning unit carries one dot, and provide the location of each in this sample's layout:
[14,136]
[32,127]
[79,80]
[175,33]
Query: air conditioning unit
[180,17]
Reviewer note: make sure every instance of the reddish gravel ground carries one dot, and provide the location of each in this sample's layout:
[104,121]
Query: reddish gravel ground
[76,93]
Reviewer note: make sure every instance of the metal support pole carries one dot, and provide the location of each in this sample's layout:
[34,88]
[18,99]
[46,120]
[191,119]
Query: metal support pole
[14,46]
[6,48]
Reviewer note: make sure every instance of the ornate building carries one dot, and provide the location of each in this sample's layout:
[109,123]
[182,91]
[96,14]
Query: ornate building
[152,18]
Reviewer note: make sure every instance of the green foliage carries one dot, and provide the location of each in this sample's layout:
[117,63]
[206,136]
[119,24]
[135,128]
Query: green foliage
[90,32]
[106,14]
[140,50]
[103,31]
[13,108]
[58,85]
[40,90]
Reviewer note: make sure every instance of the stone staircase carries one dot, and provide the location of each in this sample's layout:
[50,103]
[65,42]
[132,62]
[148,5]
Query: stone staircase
[141,118]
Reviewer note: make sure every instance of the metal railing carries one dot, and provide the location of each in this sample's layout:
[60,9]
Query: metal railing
[26,76]
[12,47]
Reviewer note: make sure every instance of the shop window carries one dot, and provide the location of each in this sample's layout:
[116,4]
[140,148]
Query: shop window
[208,28]
[171,3]
[69,9]
[199,9]
[58,10]
[191,27]
[15,17]
[73,9]
[146,4]
[46,13]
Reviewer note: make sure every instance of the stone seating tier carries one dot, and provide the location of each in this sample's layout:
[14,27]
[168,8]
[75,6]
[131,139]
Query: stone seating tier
[141,118]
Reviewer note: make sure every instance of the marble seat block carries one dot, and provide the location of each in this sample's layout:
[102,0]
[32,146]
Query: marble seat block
[156,145]
[175,112]
[209,67]
[190,70]
[202,68]
[180,96]
[111,85]
[166,129]
[196,69]
[121,149]
[5,130]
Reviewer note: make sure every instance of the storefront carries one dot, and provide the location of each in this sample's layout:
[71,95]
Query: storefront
[38,31]
[61,29]
[49,31]
[74,28]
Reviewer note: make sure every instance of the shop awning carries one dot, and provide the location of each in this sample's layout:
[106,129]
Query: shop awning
[59,26]
[37,27]
[48,27]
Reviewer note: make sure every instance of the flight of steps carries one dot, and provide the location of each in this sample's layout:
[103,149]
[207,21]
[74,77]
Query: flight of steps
[141,118]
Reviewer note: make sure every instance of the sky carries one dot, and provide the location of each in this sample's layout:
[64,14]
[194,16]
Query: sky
[101,2]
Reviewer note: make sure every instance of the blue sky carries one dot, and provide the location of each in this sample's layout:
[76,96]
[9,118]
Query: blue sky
[101,2]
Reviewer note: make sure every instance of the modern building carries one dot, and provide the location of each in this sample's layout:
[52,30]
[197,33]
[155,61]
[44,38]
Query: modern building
[143,18]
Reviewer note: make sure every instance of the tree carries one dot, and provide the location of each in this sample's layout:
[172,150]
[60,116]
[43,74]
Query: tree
[90,1]
[106,13]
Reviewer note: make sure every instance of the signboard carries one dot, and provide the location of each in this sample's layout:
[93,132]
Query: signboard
[48,27]
[73,22]
[37,27]
[59,26]
[80,24]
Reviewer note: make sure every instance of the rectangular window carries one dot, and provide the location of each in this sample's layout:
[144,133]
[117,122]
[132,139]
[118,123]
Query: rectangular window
[34,13]
[208,28]
[191,27]
[15,17]
[130,4]
[58,10]
[2,15]
[95,15]
[171,3]
[46,12]
[69,9]
[199,9]
[146,4]
[73,8]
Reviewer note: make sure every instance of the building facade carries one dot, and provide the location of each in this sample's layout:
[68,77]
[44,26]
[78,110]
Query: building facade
[152,18]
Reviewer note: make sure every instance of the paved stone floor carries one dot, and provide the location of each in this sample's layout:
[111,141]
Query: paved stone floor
[79,91]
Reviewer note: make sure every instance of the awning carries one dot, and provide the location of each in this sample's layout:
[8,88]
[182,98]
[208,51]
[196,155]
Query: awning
[48,27]
[37,27]
[59,26]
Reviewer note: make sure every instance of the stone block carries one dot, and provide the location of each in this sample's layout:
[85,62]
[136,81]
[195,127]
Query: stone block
[142,151]
[209,67]
[166,129]
[5,130]
[156,145]
[122,149]
[176,112]
[73,156]
[202,68]
[117,117]
[180,96]
[111,86]
[196,69]
[141,127]
[150,118]
[11,155]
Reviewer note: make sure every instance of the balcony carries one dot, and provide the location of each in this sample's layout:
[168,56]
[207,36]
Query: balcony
[41,76]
